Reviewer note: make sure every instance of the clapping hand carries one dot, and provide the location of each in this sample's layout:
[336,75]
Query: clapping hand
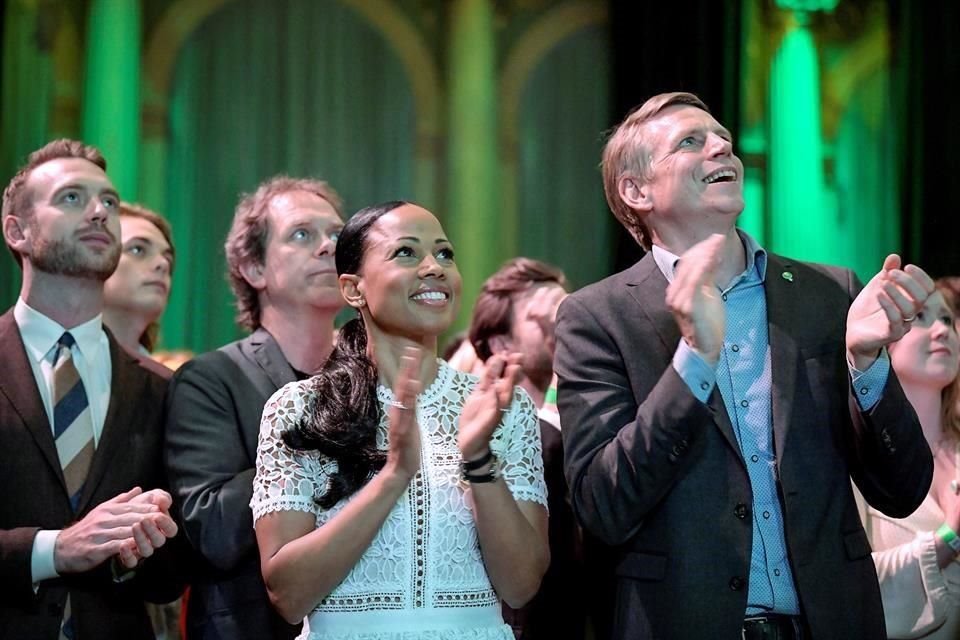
[694,301]
[482,411]
[542,309]
[883,311]
[403,455]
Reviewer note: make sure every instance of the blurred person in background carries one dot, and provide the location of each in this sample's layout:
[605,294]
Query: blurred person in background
[917,556]
[136,295]
[516,312]
[952,284]
[134,298]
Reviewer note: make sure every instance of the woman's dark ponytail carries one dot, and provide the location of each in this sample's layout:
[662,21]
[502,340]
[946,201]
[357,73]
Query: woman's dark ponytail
[343,415]
[342,418]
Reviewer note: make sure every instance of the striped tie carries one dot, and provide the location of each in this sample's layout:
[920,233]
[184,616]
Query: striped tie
[73,432]
[72,424]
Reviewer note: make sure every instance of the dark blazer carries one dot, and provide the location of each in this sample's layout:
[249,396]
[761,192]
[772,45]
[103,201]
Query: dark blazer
[659,475]
[214,407]
[129,454]
[559,609]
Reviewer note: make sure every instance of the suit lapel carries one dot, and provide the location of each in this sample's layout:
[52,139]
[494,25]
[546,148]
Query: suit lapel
[782,292]
[267,354]
[126,377]
[647,286]
[20,388]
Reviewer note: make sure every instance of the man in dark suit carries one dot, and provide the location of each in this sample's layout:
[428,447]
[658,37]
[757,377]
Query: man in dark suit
[515,312]
[717,399]
[280,252]
[82,522]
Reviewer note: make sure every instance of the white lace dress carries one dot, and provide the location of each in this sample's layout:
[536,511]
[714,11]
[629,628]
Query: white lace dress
[423,575]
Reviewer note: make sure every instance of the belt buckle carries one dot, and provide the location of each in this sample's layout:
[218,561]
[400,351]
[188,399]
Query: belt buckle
[747,620]
[772,623]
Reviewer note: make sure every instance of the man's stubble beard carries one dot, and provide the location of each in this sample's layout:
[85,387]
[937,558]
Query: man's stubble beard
[57,257]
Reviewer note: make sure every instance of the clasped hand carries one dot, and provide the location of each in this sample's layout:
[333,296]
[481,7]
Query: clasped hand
[130,526]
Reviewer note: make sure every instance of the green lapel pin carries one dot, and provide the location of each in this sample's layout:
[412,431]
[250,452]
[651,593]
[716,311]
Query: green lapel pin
[788,276]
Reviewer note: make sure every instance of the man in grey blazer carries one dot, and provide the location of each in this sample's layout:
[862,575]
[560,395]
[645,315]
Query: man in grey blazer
[716,400]
[280,252]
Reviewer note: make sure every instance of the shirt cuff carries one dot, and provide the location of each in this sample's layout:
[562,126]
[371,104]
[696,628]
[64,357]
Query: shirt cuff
[699,376]
[41,557]
[868,385]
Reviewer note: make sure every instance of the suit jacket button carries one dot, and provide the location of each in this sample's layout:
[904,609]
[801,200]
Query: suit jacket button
[737,583]
[741,511]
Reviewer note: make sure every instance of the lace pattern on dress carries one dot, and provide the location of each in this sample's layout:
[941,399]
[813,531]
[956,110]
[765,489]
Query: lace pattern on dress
[501,633]
[427,553]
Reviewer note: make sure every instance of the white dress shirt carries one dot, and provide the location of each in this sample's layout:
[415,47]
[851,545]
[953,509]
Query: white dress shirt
[91,357]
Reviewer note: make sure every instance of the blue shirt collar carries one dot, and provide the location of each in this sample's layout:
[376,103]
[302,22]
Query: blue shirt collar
[756,259]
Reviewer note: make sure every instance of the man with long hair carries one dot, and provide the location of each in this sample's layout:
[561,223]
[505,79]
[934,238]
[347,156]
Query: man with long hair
[280,255]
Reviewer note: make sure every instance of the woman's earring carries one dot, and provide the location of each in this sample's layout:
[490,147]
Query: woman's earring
[360,303]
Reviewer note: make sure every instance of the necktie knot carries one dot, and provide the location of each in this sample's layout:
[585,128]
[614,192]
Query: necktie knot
[66,340]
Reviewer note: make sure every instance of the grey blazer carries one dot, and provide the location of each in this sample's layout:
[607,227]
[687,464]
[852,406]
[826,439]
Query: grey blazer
[659,475]
[214,407]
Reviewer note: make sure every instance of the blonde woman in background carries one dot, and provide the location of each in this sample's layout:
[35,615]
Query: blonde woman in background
[916,557]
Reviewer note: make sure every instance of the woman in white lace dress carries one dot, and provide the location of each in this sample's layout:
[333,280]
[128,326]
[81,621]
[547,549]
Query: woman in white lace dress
[917,566]
[395,497]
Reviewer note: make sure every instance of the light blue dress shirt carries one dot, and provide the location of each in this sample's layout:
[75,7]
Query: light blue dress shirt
[743,375]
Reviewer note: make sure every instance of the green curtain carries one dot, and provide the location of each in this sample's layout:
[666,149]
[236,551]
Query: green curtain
[925,63]
[303,87]
[27,93]
[867,194]
[563,218]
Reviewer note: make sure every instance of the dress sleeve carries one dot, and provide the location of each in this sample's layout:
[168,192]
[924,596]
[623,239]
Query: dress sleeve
[916,598]
[521,454]
[286,479]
